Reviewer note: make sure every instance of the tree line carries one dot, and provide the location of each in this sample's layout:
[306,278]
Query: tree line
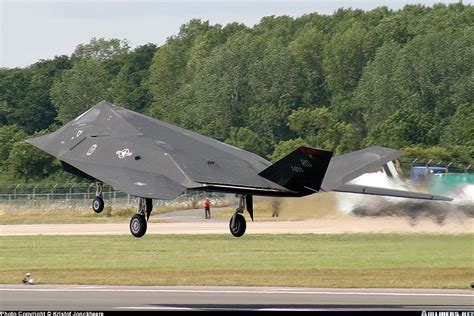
[401,79]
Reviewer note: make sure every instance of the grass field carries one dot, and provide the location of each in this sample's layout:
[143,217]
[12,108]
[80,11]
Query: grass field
[65,217]
[108,215]
[69,217]
[357,260]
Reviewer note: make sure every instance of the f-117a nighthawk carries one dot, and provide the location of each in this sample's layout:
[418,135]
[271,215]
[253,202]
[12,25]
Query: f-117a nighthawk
[151,159]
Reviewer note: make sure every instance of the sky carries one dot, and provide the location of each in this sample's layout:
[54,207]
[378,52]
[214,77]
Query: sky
[31,30]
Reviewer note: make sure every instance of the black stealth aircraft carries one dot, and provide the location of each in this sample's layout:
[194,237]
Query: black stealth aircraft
[152,159]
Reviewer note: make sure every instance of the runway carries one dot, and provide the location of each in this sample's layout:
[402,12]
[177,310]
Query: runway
[73,297]
[348,224]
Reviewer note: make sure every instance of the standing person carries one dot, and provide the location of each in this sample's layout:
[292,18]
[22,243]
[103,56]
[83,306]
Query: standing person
[207,208]
[276,207]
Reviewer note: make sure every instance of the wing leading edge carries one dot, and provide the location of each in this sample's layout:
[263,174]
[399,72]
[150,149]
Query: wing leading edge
[362,189]
[345,168]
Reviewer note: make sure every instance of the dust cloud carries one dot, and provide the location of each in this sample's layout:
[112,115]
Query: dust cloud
[368,210]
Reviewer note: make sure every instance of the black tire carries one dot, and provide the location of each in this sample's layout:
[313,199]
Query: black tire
[237,225]
[138,225]
[98,204]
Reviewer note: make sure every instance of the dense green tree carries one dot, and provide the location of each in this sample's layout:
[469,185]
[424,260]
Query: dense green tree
[403,128]
[4,111]
[427,75]
[14,84]
[320,128]
[29,163]
[285,147]
[269,121]
[25,93]
[460,130]
[79,88]
[376,94]
[39,113]
[460,156]
[247,139]
[111,52]
[129,88]
[168,71]
[101,49]
[202,46]
[279,30]
[220,92]
[9,135]
[275,78]
[346,55]
[12,87]
[307,51]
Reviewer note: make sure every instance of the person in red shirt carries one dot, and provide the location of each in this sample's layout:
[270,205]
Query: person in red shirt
[207,208]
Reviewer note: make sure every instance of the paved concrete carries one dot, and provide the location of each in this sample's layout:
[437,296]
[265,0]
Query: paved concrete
[70,297]
[195,215]
[345,224]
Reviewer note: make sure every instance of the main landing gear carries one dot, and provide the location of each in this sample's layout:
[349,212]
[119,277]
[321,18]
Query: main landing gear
[138,223]
[98,201]
[238,224]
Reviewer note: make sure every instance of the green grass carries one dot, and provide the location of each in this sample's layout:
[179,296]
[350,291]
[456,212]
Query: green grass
[71,217]
[357,260]
[108,215]
[65,217]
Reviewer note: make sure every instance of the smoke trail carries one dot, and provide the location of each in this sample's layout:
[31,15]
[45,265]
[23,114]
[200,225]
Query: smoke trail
[462,205]
[335,204]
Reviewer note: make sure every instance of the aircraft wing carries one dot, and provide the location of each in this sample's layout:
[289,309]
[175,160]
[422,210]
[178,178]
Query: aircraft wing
[153,159]
[134,182]
[362,189]
[345,168]
[150,158]
[133,164]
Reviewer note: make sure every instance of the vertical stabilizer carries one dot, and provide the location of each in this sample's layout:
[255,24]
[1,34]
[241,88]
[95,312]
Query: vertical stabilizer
[301,171]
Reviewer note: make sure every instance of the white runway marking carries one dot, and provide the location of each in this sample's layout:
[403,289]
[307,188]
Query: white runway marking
[297,292]
[276,309]
[169,308]
[155,308]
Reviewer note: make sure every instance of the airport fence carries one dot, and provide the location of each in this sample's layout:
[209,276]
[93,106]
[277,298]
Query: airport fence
[78,197]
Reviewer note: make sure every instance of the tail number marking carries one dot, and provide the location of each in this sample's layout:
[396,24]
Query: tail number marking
[306,163]
[297,169]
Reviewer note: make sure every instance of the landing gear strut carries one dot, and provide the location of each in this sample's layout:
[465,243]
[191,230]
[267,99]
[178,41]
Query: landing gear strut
[98,202]
[138,223]
[237,224]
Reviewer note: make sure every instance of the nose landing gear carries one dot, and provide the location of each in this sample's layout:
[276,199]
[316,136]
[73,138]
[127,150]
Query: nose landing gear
[98,202]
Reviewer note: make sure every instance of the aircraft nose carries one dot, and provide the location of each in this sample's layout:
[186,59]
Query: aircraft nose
[43,143]
[40,142]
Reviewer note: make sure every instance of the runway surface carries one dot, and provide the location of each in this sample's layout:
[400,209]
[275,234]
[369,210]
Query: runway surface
[349,224]
[70,297]
[194,215]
